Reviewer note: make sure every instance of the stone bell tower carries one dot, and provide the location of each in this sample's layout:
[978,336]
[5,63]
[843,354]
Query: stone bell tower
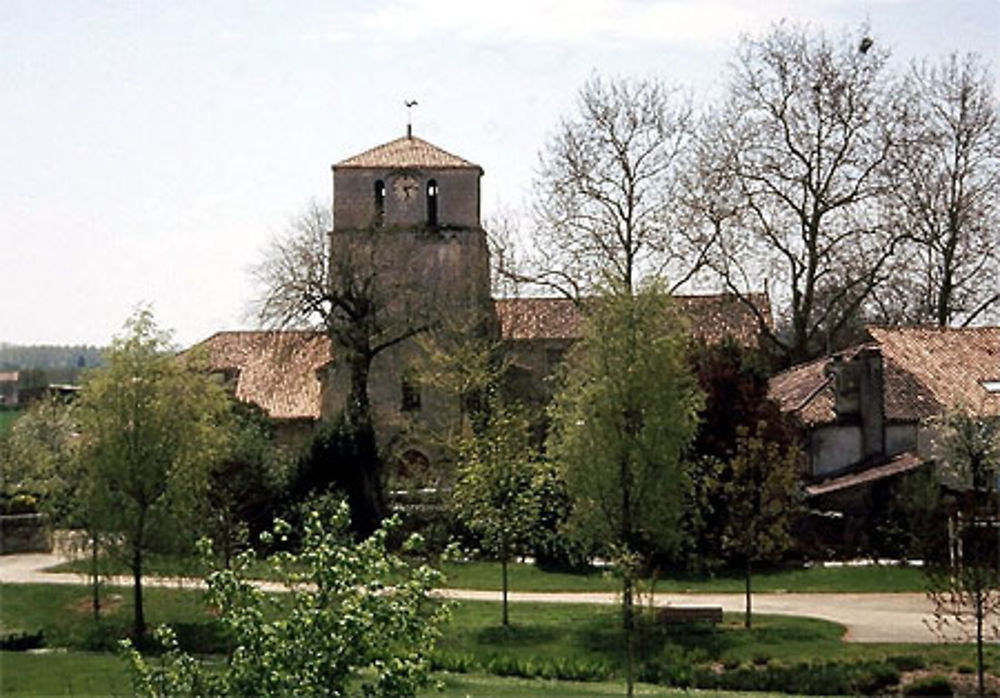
[414,209]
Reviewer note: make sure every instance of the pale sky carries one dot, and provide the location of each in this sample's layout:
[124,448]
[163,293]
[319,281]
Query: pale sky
[149,149]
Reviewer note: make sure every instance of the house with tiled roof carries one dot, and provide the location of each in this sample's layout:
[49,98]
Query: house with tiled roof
[869,415]
[8,388]
[423,204]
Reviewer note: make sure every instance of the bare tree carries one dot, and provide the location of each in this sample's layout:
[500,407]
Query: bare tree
[794,172]
[966,594]
[948,197]
[608,187]
[349,286]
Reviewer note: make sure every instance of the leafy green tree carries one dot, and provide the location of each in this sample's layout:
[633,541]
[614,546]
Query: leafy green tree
[621,426]
[762,495]
[968,591]
[498,486]
[152,426]
[342,629]
[39,457]
[246,483]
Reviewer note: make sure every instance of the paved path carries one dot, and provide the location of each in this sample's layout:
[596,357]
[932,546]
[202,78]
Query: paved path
[867,617]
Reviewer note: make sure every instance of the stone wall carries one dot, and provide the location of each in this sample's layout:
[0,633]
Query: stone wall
[24,533]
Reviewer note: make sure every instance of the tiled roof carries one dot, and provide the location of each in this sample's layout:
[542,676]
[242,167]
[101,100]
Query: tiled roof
[712,317]
[275,370]
[408,151]
[538,318]
[925,371]
[902,463]
[950,364]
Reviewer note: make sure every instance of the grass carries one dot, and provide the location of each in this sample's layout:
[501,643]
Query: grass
[63,613]
[589,632]
[63,674]
[540,634]
[83,674]
[854,579]
[523,577]
[7,417]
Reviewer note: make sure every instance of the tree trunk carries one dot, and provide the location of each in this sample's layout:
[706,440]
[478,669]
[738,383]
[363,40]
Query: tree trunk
[139,619]
[627,593]
[503,567]
[747,621]
[359,420]
[358,408]
[979,634]
[95,578]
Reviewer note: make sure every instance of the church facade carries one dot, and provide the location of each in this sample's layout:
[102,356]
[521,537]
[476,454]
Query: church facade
[411,210]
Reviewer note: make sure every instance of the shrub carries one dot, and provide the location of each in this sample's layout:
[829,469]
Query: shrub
[876,678]
[23,504]
[455,662]
[935,685]
[907,662]
[21,642]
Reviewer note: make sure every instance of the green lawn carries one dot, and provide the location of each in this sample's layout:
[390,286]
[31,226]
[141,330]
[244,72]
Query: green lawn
[7,417]
[874,578]
[540,632]
[486,575]
[83,674]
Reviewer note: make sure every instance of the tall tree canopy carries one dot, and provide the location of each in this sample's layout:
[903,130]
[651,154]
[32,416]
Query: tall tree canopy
[349,286]
[621,425]
[947,196]
[152,426]
[795,175]
[608,190]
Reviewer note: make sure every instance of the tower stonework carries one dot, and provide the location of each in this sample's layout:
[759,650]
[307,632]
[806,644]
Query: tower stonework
[413,211]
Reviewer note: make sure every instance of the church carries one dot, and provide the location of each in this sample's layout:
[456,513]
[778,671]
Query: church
[413,209]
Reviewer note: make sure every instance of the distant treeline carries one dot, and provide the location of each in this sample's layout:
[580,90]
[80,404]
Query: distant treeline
[41,365]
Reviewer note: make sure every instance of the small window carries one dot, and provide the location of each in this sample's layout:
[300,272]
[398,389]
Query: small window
[409,394]
[379,201]
[432,202]
[992,386]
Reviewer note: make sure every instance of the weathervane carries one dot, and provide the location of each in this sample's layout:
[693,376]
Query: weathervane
[409,104]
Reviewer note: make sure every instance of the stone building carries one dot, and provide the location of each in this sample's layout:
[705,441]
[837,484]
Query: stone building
[412,211]
[869,416]
[8,388]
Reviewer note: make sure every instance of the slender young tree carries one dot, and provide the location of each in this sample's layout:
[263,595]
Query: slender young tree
[342,628]
[968,593]
[497,490]
[151,429]
[762,494]
[620,428]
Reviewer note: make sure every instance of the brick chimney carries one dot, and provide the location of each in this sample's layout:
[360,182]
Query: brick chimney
[859,397]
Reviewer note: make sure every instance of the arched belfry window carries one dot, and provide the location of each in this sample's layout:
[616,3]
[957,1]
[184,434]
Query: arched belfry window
[432,202]
[379,201]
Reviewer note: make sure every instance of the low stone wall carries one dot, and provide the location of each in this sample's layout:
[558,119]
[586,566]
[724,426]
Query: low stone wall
[24,533]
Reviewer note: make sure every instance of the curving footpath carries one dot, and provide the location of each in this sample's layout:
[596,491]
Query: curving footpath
[867,617]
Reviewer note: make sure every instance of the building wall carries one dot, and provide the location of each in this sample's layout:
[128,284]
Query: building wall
[834,448]
[425,276]
[354,197]
[900,438]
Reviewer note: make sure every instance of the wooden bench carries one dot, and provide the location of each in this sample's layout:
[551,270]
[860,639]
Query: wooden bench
[675,615]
